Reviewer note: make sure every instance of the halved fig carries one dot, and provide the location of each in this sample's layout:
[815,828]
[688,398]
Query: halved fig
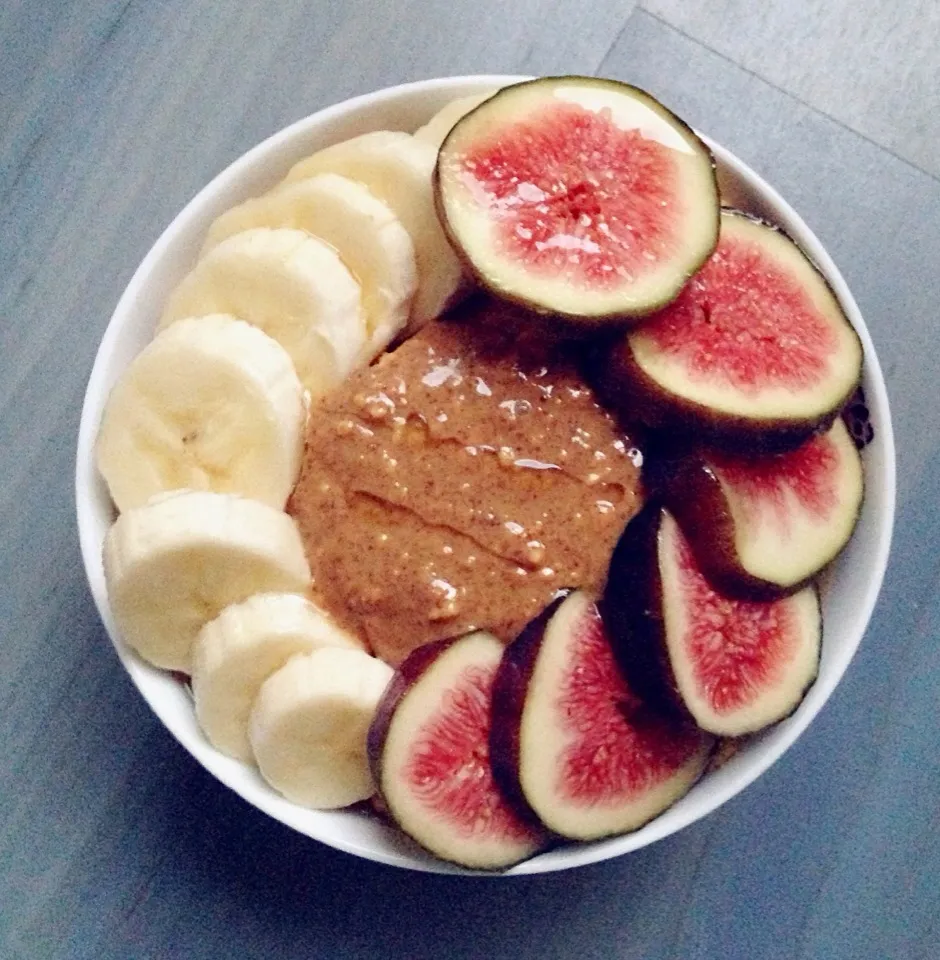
[732,666]
[578,197]
[763,528]
[571,744]
[755,354]
[429,753]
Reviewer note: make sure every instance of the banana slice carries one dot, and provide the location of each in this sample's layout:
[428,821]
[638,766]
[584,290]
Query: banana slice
[247,642]
[397,168]
[309,724]
[173,565]
[211,404]
[291,285]
[368,237]
[437,128]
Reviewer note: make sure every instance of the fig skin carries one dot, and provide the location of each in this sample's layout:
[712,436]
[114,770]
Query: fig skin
[571,325]
[404,678]
[632,610]
[509,693]
[634,395]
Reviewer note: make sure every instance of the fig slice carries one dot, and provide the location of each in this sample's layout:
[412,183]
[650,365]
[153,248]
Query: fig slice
[429,754]
[578,197]
[755,354]
[732,666]
[763,528]
[571,744]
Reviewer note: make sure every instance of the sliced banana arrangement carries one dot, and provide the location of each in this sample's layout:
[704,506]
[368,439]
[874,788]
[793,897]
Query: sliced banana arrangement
[369,238]
[237,651]
[398,168]
[175,563]
[201,440]
[290,284]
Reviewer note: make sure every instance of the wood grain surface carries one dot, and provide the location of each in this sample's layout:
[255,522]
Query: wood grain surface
[113,842]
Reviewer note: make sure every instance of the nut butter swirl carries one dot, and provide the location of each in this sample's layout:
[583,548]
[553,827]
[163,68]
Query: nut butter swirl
[458,484]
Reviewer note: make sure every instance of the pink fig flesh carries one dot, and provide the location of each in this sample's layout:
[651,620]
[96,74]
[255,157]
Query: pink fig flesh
[733,666]
[571,743]
[763,528]
[429,752]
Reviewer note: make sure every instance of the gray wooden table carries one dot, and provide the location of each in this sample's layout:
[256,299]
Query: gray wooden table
[113,843]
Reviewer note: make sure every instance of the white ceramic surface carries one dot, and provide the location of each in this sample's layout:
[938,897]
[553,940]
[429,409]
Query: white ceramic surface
[850,588]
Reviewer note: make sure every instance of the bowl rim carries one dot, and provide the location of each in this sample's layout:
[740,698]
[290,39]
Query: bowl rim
[144,676]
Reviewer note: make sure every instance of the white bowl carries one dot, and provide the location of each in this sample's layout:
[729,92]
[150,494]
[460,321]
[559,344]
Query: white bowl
[849,590]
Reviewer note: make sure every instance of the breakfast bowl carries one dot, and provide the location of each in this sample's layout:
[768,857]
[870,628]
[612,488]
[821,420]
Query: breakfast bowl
[849,587]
